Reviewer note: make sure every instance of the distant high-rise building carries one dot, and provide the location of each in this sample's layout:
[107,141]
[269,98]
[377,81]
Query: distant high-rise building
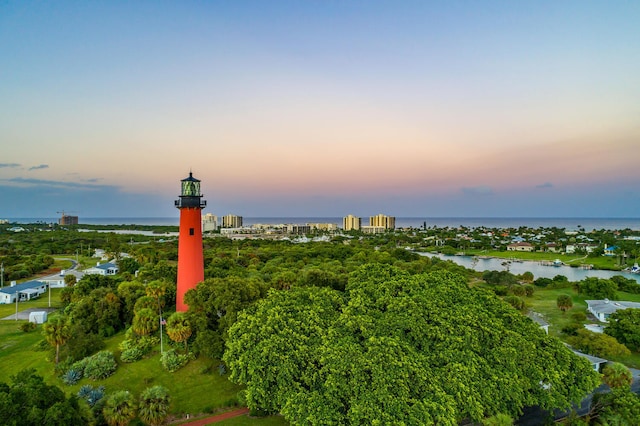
[387,222]
[209,222]
[232,221]
[68,220]
[351,222]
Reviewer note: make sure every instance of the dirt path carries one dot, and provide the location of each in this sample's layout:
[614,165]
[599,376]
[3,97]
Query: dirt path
[217,418]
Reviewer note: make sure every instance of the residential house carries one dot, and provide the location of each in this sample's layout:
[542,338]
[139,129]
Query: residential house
[24,291]
[521,246]
[107,269]
[602,309]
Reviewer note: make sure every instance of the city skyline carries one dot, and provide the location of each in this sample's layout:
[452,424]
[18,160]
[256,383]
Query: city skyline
[414,109]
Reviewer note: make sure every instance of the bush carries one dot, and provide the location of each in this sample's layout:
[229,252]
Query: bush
[172,361]
[500,290]
[100,365]
[515,301]
[542,282]
[133,349]
[579,316]
[571,329]
[72,376]
[517,290]
[529,290]
[28,327]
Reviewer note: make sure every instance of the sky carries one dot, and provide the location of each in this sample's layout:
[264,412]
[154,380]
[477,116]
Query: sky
[321,108]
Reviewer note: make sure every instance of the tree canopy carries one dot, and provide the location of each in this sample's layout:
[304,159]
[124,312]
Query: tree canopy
[398,348]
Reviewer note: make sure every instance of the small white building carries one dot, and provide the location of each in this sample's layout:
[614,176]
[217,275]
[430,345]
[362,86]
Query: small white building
[24,291]
[107,269]
[602,309]
[38,317]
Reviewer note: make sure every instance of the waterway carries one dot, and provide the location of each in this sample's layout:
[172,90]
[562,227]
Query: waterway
[538,270]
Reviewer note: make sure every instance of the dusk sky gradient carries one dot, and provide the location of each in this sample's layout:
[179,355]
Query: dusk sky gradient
[321,108]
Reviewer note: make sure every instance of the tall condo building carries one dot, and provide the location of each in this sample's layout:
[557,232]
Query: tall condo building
[190,256]
[232,221]
[209,222]
[351,223]
[381,220]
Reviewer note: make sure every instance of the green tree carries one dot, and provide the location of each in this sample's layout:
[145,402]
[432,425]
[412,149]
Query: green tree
[597,344]
[56,332]
[145,322]
[70,280]
[28,400]
[179,329]
[119,408]
[617,375]
[153,406]
[598,288]
[398,348]
[564,302]
[624,325]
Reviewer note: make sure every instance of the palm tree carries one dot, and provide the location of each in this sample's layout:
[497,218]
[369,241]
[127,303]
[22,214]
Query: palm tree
[179,328]
[616,375]
[119,408]
[564,302]
[154,405]
[145,322]
[57,331]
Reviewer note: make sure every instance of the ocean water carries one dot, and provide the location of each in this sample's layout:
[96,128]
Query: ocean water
[401,222]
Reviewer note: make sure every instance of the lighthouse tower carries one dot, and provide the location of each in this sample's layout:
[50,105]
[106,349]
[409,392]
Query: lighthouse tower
[190,258]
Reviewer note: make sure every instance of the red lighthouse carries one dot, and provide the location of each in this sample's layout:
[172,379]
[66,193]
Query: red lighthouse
[190,258]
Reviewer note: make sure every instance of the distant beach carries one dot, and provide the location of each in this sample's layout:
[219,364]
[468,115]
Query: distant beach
[572,224]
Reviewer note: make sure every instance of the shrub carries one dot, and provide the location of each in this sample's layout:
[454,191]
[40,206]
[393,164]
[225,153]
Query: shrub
[500,290]
[100,365]
[72,376]
[172,361]
[571,329]
[518,290]
[28,327]
[515,301]
[579,316]
[529,290]
[134,349]
[90,394]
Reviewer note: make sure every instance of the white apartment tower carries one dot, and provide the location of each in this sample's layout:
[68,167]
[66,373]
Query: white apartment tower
[351,223]
[209,222]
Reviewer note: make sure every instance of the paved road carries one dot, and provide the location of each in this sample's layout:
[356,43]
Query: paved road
[24,315]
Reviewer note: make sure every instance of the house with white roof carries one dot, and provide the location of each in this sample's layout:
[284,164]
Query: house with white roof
[23,291]
[602,309]
[107,269]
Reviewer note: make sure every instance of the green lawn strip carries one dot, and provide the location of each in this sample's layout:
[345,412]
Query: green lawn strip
[599,262]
